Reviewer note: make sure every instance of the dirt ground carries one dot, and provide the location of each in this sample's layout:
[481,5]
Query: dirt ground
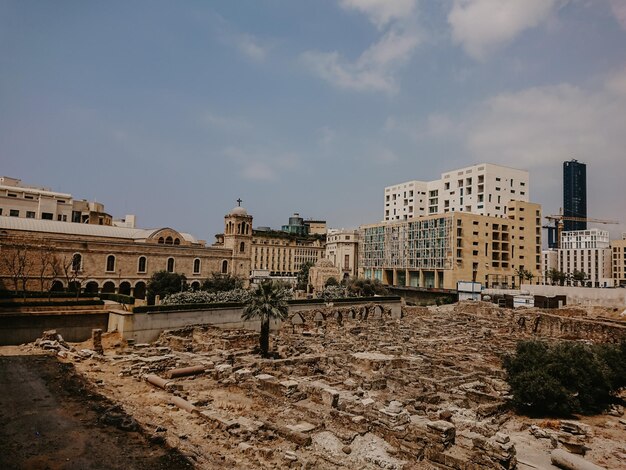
[52,419]
[343,396]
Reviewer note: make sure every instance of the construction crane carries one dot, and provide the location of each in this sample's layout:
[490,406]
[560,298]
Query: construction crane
[557,228]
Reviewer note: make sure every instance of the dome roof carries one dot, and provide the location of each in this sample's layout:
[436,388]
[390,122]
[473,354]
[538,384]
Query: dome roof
[238,211]
[324,263]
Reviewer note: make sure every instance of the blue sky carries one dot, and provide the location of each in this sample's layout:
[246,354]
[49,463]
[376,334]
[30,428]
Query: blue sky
[173,110]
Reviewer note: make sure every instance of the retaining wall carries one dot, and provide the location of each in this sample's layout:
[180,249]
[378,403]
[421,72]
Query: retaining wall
[146,327]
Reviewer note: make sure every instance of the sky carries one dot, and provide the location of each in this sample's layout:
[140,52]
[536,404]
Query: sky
[173,110]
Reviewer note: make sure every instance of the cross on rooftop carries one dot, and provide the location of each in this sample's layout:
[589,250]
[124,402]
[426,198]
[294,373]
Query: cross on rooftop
[239,201]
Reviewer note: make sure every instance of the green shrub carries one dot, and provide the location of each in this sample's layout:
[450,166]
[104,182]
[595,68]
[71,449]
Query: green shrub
[119,298]
[564,378]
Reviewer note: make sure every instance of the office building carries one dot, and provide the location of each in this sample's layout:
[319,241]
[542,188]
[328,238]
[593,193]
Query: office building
[574,195]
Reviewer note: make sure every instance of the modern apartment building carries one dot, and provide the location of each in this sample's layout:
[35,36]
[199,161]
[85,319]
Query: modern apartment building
[574,195]
[484,189]
[587,251]
[438,250]
[342,248]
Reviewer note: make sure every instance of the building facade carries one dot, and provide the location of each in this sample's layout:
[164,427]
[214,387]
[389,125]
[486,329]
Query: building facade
[32,202]
[342,249]
[51,255]
[574,195]
[618,261]
[484,189]
[437,251]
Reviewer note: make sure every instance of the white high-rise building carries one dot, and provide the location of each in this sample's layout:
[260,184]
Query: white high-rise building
[484,189]
[586,251]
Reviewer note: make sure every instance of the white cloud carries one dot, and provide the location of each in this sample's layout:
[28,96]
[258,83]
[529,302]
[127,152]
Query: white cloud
[381,12]
[374,70]
[616,83]
[619,11]
[539,128]
[251,47]
[261,165]
[483,26]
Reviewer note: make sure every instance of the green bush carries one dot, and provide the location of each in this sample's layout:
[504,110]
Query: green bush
[565,378]
[119,298]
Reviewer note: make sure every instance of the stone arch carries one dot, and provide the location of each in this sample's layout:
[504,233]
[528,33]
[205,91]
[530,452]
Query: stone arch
[170,265]
[108,287]
[140,290]
[57,286]
[176,241]
[73,286]
[297,319]
[124,288]
[195,285]
[224,266]
[91,287]
[169,240]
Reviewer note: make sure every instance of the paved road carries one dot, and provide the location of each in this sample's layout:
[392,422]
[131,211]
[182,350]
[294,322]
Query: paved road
[49,420]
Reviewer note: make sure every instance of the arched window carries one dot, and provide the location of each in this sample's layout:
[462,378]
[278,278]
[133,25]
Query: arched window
[161,240]
[169,241]
[242,247]
[141,264]
[77,262]
[170,265]
[224,267]
[176,241]
[196,266]
[110,263]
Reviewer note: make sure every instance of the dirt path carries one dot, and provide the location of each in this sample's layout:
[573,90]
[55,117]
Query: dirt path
[51,419]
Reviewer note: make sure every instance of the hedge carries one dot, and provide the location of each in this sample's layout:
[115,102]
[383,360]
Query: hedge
[11,294]
[119,298]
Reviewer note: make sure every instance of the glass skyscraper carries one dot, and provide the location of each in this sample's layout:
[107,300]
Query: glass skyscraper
[574,194]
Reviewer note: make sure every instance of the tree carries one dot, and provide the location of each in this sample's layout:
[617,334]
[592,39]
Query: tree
[564,378]
[219,282]
[579,277]
[303,275]
[164,283]
[357,287]
[523,274]
[71,268]
[16,261]
[557,277]
[47,266]
[267,301]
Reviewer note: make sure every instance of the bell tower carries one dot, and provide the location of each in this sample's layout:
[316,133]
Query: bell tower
[238,237]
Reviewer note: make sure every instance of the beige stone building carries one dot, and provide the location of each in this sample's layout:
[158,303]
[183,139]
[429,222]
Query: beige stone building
[321,272]
[342,249]
[618,261]
[439,250]
[32,202]
[46,254]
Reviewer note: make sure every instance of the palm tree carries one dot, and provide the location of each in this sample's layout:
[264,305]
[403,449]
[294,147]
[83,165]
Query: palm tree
[268,301]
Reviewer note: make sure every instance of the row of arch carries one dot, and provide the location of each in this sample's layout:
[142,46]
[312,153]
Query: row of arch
[138,290]
[142,264]
[242,228]
[168,241]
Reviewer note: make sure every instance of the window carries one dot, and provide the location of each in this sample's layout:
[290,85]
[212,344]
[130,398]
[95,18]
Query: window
[14,213]
[12,195]
[110,264]
[30,215]
[141,264]
[196,266]
[47,216]
[77,262]
[242,247]
[169,241]
[224,267]
[176,241]
[161,240]
[170,265]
